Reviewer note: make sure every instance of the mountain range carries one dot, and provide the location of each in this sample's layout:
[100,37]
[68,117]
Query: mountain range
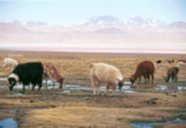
[101,29]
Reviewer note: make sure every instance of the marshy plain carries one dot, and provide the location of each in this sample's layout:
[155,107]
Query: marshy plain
[158,105]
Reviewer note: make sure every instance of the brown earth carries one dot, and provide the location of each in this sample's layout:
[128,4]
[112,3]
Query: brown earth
[82,109]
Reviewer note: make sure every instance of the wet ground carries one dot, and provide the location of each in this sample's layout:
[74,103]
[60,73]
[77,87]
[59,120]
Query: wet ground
[8,123]
[158,105]
[137,106]
[151,124]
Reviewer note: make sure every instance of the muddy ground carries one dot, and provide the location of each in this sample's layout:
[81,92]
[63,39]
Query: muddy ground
[81,109]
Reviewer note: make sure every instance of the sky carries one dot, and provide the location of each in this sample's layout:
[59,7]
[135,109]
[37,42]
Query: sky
[69,12]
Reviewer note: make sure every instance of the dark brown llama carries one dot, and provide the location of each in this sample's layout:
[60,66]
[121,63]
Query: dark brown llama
[145,69]
[172,73]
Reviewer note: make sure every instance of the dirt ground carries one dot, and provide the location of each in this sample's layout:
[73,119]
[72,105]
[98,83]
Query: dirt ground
[81,109]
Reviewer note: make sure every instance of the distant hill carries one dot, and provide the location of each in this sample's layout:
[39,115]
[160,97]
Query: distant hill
[101,29]
[135,29]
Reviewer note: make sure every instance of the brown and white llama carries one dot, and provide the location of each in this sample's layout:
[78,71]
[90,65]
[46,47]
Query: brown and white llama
[51,72]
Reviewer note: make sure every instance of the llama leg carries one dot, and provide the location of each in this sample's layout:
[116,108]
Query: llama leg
[95,84]
[96,90]
[168,78]
[139,81]
[113,89]
[23,89]
[176,77]
[95,87]
[53,85]
[172,77]
[61,83]
[46,84]
[145,78]
[33,86]
[148,78]
[106,88]
[40,85]
[152,77]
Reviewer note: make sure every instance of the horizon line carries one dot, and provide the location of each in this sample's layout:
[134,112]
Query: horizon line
[102,50]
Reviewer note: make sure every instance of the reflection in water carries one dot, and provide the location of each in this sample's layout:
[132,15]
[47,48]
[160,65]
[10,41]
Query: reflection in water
[67,88]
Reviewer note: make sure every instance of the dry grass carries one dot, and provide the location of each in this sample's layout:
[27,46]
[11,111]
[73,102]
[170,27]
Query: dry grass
[106,111]
[93,116]
[77,64]
[83,110]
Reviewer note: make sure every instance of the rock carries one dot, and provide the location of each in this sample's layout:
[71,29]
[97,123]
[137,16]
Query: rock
[151,101]
[31,101]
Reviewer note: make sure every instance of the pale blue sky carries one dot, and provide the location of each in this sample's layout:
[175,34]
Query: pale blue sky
[73,11]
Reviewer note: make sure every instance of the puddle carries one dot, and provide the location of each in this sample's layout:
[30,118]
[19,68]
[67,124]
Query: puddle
[129,91]
[169,88]
[8,123]
[143,124]
[3,79]
[70,88]
[14,111]
[182,80]
[66,91]
[127,83]
[161,87]
[181,88]
[19,86]
[125,89]
[49,82]
[20,93]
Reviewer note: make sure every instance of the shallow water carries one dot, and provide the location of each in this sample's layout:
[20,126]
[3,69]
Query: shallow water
[169,88]
[182,80]
[69,88]
[14,111]
[142,124]
[181,88]
[125,89]
[8,123]
[3,79]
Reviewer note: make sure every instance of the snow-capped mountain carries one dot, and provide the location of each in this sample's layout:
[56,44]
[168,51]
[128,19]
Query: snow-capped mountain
[113,22]
[95,29]
[102,21]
